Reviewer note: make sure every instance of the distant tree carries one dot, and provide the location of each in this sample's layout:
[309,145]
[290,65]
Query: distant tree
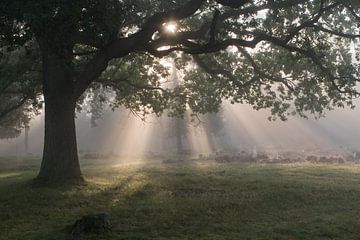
[213,124]
[177,125]
[177,128]
[97,104]
[291,56]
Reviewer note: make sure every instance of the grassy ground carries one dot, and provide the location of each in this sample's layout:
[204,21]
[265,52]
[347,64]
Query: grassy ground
[191,200]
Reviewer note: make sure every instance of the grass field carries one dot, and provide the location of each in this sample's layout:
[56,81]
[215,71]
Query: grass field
[189,200]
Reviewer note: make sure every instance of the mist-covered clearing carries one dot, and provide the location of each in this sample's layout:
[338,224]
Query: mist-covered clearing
[189,199]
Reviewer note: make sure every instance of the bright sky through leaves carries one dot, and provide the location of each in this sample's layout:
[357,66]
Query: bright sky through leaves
[170,27]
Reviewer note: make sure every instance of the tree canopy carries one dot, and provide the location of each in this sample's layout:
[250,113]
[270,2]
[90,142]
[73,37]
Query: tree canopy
[290,56]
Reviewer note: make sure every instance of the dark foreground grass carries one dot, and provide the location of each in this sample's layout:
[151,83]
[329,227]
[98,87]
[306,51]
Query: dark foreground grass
[191,200]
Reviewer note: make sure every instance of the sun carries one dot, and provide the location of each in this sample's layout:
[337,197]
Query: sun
[170,27]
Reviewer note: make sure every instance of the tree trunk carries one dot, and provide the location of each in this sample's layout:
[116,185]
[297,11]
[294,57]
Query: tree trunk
[60,159]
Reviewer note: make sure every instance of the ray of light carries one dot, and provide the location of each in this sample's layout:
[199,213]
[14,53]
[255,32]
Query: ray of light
[281,135]
[198,140]
[135,138]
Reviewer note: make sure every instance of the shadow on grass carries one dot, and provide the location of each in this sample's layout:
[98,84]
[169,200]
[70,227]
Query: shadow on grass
[232,202]
[191,201]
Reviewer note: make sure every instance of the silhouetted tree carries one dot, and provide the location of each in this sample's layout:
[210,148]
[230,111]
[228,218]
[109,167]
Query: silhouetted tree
[301,63]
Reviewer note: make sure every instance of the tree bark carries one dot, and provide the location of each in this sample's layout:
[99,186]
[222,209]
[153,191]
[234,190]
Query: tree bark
[60,161]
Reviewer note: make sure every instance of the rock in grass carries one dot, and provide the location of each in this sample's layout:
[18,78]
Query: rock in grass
[91,224]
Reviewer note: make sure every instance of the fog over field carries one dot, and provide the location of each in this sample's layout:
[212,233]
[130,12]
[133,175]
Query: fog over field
[235,128]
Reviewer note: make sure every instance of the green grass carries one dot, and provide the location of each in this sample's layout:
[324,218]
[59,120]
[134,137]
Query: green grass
[190,200]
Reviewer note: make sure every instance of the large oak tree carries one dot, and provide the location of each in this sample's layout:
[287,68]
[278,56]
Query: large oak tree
[291,56]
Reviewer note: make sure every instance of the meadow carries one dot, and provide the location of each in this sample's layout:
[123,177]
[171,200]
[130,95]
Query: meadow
[190,199]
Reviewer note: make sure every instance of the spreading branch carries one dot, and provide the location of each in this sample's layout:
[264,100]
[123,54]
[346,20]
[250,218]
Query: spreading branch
[190,41]
[233,3]
[262,74]
[217,70]
[10,109]
[122,46]
[213,27]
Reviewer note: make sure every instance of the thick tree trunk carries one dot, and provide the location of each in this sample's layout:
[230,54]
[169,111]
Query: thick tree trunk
[60,159]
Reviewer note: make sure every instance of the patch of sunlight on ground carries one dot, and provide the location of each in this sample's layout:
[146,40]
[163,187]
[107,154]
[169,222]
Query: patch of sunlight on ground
[8,175]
